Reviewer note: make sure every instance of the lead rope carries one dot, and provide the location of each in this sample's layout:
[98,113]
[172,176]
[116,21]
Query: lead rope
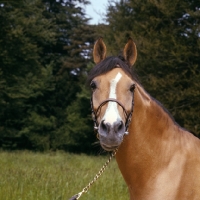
[85,189]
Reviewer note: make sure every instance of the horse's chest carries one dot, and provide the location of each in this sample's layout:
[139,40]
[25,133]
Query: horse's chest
[175,181]
[168,180]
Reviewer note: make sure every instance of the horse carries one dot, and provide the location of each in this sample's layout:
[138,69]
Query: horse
[158,159]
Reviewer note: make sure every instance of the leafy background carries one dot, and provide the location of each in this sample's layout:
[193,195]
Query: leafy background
[45,56]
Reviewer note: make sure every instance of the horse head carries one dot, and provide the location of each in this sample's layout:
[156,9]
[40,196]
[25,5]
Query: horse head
[112,87]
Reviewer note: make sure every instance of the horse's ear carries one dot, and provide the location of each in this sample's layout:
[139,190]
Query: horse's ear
[130,52]
[99,51]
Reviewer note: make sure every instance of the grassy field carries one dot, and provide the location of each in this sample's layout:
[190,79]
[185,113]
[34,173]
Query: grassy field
[57,176]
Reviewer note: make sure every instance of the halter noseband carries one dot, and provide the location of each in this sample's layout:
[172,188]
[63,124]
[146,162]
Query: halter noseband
[127,115]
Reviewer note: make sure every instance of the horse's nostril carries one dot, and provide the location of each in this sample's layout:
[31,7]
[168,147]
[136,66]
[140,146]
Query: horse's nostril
[105,127]
[119,126]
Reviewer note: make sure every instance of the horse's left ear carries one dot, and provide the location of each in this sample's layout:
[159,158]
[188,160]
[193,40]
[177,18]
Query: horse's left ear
[130,52]
[99,51]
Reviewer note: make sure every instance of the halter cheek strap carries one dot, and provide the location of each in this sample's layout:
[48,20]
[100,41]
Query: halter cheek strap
[95,114]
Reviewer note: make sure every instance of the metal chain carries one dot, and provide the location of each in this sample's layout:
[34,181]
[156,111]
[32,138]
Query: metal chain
[85,189]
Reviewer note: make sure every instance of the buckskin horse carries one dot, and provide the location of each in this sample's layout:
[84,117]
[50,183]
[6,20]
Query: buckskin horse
[158,159]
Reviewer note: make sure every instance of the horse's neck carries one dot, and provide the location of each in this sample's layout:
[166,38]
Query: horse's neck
[144,149]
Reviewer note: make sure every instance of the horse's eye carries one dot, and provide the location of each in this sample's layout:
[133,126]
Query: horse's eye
[132,88]
[93,85]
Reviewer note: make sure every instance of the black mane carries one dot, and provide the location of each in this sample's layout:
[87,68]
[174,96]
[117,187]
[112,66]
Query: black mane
[118,62]
[110,63]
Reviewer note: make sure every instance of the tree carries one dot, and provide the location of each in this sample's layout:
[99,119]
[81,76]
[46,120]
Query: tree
[24,34]
[45,47]
[71,53]
[168,41]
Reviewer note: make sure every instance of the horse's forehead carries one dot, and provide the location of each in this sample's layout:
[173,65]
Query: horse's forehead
[115,74]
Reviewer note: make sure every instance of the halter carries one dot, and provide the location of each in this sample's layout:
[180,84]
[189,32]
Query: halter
[95,114]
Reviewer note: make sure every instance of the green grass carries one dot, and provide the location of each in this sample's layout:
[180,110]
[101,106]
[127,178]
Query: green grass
[57,176]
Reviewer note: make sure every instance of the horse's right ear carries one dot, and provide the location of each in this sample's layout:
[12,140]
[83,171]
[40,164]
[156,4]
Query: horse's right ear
[99,51]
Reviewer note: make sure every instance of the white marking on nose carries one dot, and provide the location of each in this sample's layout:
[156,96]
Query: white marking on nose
[111,115]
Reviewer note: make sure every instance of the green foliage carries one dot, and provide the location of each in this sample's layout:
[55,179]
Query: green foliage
[167,36]
[76,134]
[44,51]
[23,32]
